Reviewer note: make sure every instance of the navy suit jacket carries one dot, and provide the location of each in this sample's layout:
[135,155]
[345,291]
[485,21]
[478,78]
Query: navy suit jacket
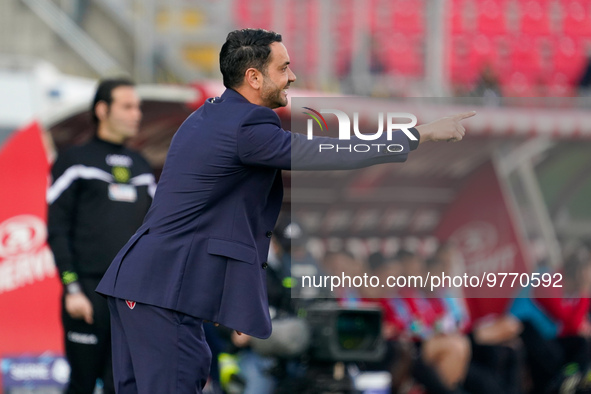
[203,245]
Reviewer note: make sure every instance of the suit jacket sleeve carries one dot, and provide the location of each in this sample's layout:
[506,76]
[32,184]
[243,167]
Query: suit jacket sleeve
[262,142]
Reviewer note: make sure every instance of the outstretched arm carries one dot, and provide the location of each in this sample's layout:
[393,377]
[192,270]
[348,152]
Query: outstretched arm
[262,141]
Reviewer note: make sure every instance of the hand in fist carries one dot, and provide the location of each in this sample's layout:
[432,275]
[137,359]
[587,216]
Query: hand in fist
[79,307]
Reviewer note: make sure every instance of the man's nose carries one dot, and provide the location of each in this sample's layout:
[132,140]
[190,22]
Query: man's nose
[291,76]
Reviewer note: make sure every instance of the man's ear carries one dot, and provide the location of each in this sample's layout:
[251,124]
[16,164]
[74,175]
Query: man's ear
[102,110]
[254,78]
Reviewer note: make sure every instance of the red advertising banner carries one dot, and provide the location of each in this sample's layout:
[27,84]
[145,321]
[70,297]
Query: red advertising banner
[29,288]
[480,223]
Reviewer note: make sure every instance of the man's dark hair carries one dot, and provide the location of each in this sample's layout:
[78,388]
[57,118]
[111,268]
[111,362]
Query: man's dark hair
[244,49]
[104,92]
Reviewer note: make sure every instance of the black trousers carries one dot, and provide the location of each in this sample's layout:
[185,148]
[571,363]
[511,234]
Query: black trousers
[88,346]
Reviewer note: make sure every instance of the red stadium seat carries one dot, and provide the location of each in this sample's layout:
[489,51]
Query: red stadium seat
[462,64]
[491,17]
[487,52]
[456,18]
[577,18]
[568,58]
[242,14]
[559,86]
[463,16]
[469,56]
[343,43]
[404,55]
[408,16]
[290,26]
[526,57]
[380,17]
[535,17]
[519,85]
[312,32]
[254,13]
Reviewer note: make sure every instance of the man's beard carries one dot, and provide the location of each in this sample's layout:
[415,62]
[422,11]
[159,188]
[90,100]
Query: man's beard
[272,95]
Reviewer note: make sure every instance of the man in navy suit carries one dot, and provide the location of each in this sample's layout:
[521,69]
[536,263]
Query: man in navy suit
[201,252]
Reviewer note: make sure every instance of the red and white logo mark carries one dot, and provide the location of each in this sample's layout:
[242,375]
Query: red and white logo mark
[21,234]
[130,304]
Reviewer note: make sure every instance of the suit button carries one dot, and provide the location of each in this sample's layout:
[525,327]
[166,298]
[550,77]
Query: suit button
[264,265]
[269,234]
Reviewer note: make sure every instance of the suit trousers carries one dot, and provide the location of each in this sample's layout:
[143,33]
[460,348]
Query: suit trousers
[157,350]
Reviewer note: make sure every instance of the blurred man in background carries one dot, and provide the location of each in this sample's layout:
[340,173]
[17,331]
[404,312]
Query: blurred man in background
[99,196]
